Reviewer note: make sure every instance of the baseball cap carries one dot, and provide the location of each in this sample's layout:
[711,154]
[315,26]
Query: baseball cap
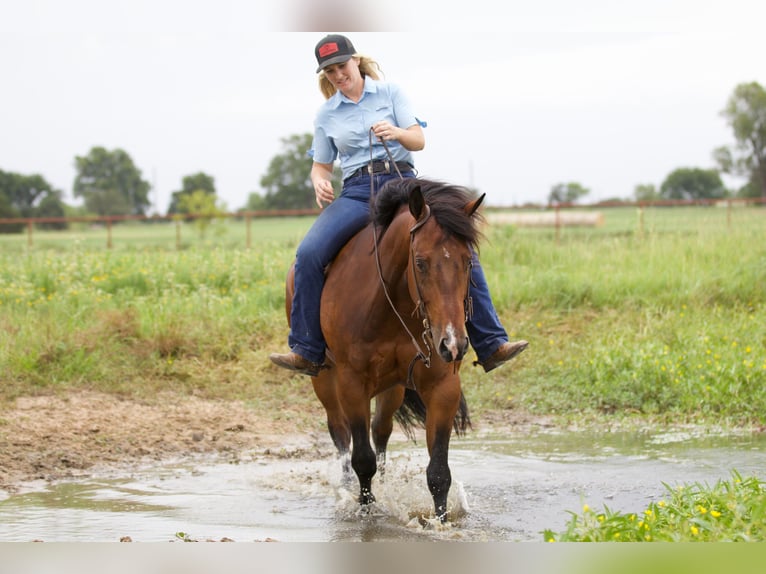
[333,49]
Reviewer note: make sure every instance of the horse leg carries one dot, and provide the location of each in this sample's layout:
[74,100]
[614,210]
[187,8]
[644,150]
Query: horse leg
[441,407]
[386,404]
[363,460]
[326,391]
[356,405]
[438,473]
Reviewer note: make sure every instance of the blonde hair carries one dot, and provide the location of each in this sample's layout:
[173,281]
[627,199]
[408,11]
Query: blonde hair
[367,67]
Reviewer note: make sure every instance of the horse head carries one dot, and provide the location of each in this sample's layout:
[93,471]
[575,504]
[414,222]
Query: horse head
[440,262]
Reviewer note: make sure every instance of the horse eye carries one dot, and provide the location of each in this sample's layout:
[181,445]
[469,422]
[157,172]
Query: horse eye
[421,265]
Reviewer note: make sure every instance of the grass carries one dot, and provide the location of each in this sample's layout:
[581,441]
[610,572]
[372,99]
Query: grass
[669,324]
[729,511]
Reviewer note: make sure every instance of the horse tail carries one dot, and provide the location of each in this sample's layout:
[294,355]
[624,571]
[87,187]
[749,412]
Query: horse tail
[412,414]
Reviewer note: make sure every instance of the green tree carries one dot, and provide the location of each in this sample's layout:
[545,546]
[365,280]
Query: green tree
[646,192]
[746,114]
[255,202]
[692,183]
[110,183]
[288,179]
[7,211]
[51,206]
[203,205]
[189,185]
[567,192]
[28,196]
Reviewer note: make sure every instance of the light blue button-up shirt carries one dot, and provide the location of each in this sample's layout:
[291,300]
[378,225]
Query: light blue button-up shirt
[342,127]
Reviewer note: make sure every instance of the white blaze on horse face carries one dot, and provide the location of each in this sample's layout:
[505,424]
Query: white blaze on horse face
[446,253]
[451,341]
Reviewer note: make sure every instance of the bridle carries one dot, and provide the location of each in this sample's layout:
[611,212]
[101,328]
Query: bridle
[420,306]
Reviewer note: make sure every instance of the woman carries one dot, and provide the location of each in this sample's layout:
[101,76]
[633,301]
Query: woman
[359,102]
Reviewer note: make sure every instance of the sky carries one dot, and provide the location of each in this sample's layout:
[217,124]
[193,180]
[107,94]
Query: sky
[518,96]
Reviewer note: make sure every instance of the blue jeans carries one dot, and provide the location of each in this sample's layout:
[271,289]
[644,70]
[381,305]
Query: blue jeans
[336,224]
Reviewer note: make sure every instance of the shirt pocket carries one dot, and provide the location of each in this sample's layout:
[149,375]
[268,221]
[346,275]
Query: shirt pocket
[385,112]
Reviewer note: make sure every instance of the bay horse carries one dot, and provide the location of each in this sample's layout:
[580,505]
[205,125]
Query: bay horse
[408,271]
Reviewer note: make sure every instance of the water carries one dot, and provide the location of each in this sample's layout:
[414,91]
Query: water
[505,488]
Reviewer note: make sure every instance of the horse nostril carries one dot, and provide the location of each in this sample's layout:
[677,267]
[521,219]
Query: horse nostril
[446,350]
[462,349]
[450,350]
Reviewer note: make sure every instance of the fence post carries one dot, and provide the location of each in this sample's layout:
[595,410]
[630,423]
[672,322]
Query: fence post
[641,221]
[109,233]
[558,224]
[728,213]
[29,234]
[247,227]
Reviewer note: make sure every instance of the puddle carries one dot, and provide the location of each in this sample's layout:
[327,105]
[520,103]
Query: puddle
[507,488]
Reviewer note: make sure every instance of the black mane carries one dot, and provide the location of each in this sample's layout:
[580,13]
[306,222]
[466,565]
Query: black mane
[447,204]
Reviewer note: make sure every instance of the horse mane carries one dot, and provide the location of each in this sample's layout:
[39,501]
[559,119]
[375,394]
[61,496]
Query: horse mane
[447,204]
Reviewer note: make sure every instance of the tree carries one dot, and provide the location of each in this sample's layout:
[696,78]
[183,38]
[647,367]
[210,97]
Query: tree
[288,179]
[746,114]
[7,211]
[645,192]
[110,183]
[692,183]
[189,185]
[567,192]
[28,196]
[51,206]
[202,204]
[255,202]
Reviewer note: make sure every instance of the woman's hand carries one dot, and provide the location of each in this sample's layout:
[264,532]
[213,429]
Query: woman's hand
[386,131]
[324,192]
[321,179]
[411,138]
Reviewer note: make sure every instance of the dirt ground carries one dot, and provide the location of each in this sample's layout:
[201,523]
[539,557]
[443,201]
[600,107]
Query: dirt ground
[53,437]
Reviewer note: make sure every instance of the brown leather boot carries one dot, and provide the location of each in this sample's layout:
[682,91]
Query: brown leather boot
[504,353]
[297,363]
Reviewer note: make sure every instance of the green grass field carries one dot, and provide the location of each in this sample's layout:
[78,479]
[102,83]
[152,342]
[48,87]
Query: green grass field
[666,319]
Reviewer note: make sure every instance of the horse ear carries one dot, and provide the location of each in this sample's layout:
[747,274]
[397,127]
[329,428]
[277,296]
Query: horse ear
[471,208]
[417,203]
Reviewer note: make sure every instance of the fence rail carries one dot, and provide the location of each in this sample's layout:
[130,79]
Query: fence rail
[556,216]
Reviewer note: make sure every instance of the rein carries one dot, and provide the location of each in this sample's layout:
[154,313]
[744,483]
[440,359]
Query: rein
[420,307]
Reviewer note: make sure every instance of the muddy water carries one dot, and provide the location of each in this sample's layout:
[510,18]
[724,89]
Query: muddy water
[507,488]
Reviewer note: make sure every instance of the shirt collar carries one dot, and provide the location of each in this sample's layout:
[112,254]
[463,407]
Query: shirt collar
[370,86]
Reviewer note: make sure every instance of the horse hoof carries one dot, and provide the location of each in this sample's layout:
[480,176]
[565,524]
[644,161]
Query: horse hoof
[366,498]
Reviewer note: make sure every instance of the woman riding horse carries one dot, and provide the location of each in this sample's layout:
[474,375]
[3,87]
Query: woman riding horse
[359,103]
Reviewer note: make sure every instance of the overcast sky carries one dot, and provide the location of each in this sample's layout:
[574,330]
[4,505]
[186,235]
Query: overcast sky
[518,96]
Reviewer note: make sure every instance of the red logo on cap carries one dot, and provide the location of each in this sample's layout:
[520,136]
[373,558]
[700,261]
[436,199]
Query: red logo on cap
[327,49]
